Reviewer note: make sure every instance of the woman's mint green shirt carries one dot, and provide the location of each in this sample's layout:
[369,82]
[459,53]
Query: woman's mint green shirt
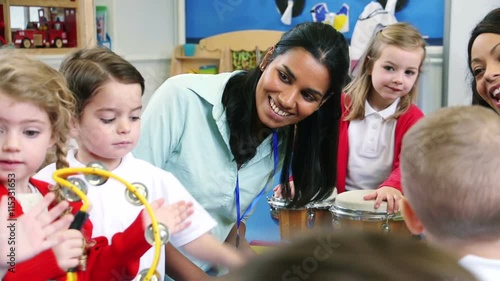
[185,131]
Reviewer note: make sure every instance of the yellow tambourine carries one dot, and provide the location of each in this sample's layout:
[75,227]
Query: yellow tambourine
[156,234]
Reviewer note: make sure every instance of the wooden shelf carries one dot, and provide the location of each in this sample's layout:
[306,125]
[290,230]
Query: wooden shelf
[44,3]
[194,58]
[82,12]
[217,50]
[46,51]
[191,64]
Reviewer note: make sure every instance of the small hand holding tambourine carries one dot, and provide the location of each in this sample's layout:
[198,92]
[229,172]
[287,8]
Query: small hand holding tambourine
[75,189]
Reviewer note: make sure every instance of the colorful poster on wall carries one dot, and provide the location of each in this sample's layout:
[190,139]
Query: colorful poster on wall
[207,18]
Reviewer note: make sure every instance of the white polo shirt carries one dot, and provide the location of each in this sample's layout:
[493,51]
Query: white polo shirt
[484,269]
[371,148]
[112,213]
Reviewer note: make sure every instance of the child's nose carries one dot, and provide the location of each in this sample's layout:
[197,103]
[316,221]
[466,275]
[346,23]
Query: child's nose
[11,143]
[124,127]
[397,78]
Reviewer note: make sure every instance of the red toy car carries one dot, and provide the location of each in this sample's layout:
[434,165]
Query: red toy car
[41,34]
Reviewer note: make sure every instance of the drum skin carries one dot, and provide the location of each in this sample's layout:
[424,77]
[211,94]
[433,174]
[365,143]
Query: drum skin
[351,211]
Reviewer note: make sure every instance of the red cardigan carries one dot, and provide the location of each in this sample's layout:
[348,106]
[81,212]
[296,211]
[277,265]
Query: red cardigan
[118,261]
[403,124]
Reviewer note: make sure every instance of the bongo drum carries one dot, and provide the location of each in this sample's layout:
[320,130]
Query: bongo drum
[319,212]
[350,210]
[294,221]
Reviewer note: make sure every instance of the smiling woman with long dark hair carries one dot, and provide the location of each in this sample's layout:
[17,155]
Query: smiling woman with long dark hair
[225,136]
[484,61]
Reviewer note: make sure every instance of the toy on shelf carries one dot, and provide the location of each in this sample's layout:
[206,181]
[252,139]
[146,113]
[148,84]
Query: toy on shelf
[50,27]
[49,32]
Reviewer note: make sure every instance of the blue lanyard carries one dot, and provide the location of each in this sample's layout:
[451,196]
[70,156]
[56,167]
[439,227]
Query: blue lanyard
[239,217]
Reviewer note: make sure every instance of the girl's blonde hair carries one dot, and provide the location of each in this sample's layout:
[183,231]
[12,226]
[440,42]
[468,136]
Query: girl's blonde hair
[401,35]
[29,80]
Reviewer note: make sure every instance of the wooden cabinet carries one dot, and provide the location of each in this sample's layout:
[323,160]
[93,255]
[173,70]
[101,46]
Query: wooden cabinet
[217,50]
[61,26]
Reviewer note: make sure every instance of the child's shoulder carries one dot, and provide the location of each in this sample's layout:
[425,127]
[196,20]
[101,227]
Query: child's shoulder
[409,118]
[45,174]
[415,109]
[42,185]
[413,113]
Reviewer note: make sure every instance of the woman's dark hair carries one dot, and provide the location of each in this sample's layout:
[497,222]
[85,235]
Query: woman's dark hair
[489,24]
[312,141]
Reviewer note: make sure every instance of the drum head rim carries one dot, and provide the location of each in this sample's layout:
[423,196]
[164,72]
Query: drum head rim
[343,212]
[279,203]
[353,200]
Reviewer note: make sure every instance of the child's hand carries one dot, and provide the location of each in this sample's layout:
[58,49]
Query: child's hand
[69,251]
[386,193]
[35,229]
[173,216]
[277,190]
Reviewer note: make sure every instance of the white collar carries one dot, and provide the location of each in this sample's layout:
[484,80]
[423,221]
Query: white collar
[385,113]
[74,163]
[33,188]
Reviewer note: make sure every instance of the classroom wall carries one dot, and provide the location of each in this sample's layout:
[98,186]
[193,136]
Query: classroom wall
[143,29]
[207,18]
[154,71]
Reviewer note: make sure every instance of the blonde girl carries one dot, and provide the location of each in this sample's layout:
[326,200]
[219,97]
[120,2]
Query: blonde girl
[35,109]
[377,111]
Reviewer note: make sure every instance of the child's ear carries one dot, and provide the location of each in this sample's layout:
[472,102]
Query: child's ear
[368,65]
[74,127]
[52,142]
[412,221]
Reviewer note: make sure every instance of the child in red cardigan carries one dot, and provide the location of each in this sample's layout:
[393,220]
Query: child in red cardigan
[34,111]
[377,111]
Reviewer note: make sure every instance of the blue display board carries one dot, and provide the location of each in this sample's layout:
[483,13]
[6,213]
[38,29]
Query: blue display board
[207,18]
